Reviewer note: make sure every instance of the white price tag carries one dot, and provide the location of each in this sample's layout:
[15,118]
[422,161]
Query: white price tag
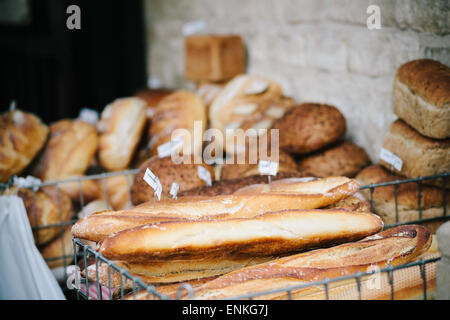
[168,148]
[391,158]
[204,175]
[89,116]
[153,182]
[267,167]
[174,189]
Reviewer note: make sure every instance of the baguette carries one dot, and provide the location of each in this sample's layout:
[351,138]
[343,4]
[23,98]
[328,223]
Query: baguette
[270,233]
[392,247]
[298,194]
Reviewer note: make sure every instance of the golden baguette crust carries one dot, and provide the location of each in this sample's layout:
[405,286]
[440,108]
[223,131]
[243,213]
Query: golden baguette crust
[356,202]
[290,194]
[22,135]
[428,78]
[391,247]
[271,233]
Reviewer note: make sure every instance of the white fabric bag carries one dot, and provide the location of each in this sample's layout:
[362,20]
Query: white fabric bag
[24,275]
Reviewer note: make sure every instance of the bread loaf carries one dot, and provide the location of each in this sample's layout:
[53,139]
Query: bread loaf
[291,195]
[271,233]
[59,252]
[421,97]
[391,247]
[70,149]
[121,126]
[310,127]
[344,159]
[180,114]
[420,156]
[44,209]
[22,135]
[432,200]
[185,175]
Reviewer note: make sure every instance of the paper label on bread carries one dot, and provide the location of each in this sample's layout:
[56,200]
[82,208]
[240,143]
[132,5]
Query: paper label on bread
[153,181]
[391,158]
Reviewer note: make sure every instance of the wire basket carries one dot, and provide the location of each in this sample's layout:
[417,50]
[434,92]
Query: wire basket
[120,284]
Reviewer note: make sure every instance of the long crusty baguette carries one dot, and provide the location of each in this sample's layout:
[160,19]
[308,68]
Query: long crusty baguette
[286,194]
[172,271]
[270,233]
[392,247]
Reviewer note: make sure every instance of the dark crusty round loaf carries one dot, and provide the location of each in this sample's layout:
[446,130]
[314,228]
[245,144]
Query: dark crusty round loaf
[344,159]
[309,127]
[224,187]
[233,171]
[185,175]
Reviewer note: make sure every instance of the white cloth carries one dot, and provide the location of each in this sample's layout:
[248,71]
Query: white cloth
[24,275]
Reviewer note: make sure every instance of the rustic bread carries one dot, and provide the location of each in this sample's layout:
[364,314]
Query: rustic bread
[208,91]
[118,191]
[344,159]
[213,57]
[185,175]
[44,209]
[22,135]
[70,149]
[271,233]
[281,195]
[391,247]
[250,166]
[121,126]
[177,115]
[421,156]
[309,127]
[432,198]
[152,97]
[229,186]
[59,252]
[421,97]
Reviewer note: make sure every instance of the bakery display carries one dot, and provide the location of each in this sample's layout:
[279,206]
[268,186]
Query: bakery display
[179,115]
[22,135]
[419,155]
[344,159]
[309,127]
[118,192]
[121,127]
[391,247]
[71,146]
[288,194]
[185,175]
[213,57]
[45,213]
[432,201]
[59,252]
[421,97]
[208,91]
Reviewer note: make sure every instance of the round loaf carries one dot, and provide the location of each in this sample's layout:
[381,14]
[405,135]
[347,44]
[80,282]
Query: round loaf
[309,127]
[432,202]
[43,210]
[344,159]
[22,135]
[233,171]
[185,175]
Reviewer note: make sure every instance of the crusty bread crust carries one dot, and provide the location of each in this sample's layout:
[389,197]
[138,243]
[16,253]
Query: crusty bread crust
[309,127]
[282,194]
[270,233]
[429,79]
[421,156]
[391,247]
[344,159]
[407,198]
[22,135]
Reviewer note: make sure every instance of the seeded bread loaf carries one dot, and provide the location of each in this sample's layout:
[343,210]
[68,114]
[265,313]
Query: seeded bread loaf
[421,97]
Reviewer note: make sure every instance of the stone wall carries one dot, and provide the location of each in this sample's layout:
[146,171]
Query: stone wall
[318,50]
